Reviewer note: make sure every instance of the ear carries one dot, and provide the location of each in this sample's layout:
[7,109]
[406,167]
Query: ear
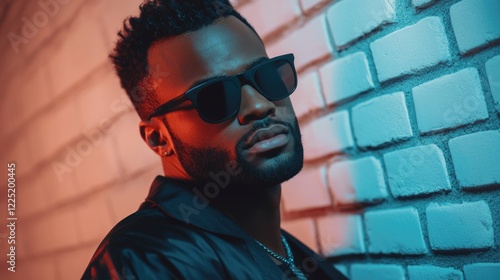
[155,134]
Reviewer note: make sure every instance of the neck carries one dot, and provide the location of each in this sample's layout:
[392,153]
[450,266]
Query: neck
[258,214]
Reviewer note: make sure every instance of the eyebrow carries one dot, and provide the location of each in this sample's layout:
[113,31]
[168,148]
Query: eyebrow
[246,68]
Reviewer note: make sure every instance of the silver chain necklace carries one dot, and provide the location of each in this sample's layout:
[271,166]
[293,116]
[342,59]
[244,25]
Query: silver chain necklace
[288,261]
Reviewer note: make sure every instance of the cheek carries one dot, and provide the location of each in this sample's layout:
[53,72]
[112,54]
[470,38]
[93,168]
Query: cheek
[284,109]
[192,130]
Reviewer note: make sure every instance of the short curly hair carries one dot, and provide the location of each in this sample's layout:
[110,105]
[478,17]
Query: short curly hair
[158,20]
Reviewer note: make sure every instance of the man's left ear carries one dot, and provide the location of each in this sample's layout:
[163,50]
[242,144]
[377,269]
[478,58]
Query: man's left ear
[154,133]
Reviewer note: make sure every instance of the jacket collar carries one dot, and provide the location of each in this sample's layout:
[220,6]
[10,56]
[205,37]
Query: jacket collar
[182,201]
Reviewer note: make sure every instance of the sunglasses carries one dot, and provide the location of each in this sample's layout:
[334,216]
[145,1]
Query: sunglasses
[219,99]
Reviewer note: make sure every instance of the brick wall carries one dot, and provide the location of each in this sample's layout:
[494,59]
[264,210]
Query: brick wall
[398,102]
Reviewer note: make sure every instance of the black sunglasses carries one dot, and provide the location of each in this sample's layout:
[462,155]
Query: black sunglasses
[219,99]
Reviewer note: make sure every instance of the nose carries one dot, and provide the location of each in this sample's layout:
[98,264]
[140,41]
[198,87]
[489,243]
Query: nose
[254,106]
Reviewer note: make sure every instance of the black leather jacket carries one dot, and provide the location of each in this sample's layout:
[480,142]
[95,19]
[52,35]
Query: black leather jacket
[172,236]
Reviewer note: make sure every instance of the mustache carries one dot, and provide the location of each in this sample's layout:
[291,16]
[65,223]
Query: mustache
[263,124]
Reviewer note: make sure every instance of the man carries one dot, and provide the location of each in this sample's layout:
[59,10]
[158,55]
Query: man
[217,111]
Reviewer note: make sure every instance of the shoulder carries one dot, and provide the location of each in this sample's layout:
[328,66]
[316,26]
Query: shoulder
[148,244]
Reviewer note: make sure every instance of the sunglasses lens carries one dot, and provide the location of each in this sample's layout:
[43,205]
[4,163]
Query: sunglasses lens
[276,79]
[219,100]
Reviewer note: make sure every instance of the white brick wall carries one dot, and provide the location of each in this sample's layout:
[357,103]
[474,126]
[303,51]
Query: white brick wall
[411,49]
[467,225]
[475,23]
[450,101]
[398,103]
[395,231]
[428,272]
[374,125]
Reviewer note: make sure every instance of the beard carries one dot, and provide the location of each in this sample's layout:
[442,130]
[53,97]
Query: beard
[200,162]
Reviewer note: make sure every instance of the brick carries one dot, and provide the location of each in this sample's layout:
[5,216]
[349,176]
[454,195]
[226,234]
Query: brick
[310,5]
[493,73]
[99,166]
[475,23]
[75,53]
[357,181]
[327,135]
[306,191]
[33,191]
[345,78]
[341,234]
[411,49]
[102,100]
[19,152]
[380,271]
[10,105]
[60,176]
[54,231]
[350,20]
[309,43]
[268,16]
[40,268]
[53,130]
[460,226]
[374,125]
[71,265]
[420,4]
[112,19]
[94,211]
[34,96]
[481,271]
[126,197]
[417,170]
[450,101]
[395,231]
[475,158]
[307,97]
[304,230]
[429,272]
[132,153]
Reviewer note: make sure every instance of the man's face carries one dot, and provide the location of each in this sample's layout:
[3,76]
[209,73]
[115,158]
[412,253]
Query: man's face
[263,138]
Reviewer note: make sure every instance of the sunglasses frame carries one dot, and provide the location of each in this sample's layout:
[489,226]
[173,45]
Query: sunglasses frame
[245,78]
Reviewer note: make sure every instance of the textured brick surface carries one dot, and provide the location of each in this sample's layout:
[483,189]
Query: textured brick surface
[304,230]
[417,170]
[377,271]
[460,226]
[327,135]
[308,5]
[482,271]
[410,49]
[450,101]
[475,23]
[395,231]
[346,77]
[306,191]
[350,20]
[493,72]
[374,125]
[475,158]
[428,272]
[267,16]
[307,97]
[309,43]
[95,212]
[357,181]
[358,63]
[341,235]
[48,238]
[75,53]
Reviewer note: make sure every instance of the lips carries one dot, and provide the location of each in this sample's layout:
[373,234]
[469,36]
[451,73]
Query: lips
[265,135]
